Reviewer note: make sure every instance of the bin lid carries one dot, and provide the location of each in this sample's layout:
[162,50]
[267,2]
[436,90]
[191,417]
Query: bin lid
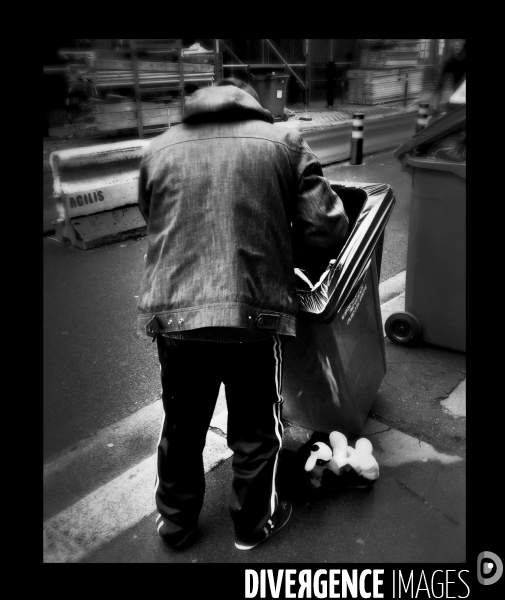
[346,272]
[435,164]
[437,129]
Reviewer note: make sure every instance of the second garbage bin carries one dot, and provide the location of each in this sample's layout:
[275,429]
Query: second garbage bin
[271,90]
[435,286]
[334,367]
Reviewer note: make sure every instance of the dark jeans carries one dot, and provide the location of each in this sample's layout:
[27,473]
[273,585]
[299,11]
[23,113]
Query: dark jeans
[191,375]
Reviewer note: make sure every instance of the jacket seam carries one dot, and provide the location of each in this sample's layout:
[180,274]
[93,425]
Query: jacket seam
[235,137]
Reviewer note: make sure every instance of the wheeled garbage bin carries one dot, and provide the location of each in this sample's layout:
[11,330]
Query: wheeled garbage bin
[335,366]
[435,286]
[271,90]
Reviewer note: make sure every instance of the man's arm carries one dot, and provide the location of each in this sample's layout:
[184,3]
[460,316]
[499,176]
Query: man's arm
[144,192]
[319,225]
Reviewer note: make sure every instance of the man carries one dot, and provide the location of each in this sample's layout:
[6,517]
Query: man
[453,69]
[231,203]
[331,70]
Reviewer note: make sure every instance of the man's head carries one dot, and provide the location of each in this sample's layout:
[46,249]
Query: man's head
[236,103]
[240,84]
[458,46]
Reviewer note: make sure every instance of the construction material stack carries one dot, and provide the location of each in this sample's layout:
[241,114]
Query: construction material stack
[385,67]
[139,77]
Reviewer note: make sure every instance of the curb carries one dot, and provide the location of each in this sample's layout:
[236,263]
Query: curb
[296,124]
[392,287]
[292,123]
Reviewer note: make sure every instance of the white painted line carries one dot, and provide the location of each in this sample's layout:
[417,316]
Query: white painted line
[102,515]
[144,421]
[216,450]
[455,403]
[221,401]
[220,421]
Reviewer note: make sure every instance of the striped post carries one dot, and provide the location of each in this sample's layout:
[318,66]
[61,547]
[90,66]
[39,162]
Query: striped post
[218,66]
[422,116]
[357,139]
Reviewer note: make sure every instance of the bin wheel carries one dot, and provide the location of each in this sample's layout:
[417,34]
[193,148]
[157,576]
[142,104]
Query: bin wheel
[403,329]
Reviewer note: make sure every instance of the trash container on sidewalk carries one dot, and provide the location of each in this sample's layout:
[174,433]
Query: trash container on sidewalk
[435,286]
[272,89]
[335,366]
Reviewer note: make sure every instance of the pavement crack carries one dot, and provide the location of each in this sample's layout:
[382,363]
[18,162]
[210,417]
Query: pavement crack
[395,389]
[424,501]
[379,432]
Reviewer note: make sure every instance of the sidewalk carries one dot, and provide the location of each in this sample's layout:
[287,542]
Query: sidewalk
[322,116]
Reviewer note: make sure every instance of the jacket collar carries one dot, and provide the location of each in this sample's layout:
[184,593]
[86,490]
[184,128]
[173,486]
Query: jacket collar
[223,103]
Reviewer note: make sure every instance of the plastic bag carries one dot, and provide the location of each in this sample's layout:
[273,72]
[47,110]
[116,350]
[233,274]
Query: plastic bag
[452,147]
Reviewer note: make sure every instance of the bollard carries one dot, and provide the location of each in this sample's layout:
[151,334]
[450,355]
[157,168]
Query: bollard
[357,139]
[422,116]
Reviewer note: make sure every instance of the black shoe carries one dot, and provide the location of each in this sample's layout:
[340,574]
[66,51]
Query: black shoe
[275,524]
[179,541]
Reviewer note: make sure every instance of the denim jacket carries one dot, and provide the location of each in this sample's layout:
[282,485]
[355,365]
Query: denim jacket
[232,203]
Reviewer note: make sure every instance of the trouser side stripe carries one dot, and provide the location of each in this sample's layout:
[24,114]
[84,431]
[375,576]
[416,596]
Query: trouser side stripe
[279,430]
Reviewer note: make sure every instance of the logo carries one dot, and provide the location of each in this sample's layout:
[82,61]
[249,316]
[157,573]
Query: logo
[83,199]
[489,568]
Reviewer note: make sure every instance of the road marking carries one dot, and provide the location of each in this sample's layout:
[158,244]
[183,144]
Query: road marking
[73,459]
[220,421]
[102,515]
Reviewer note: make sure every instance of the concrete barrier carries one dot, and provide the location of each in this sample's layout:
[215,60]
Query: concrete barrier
[96,193]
